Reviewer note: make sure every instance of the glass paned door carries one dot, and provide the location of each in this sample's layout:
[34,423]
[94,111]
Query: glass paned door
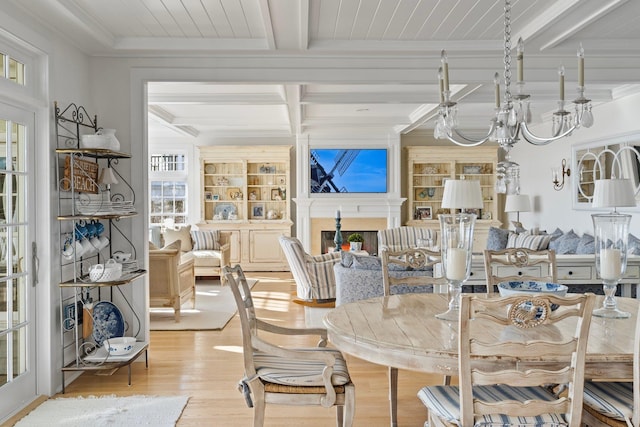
[17,294]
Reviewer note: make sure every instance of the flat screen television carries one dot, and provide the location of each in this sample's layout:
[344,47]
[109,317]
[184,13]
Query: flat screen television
[348,170]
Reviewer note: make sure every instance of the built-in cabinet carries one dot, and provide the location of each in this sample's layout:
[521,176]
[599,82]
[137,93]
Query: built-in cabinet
[98,262]
[429,167]
[245,190]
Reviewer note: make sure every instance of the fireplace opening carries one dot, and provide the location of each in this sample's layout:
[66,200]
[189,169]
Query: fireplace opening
[370,243]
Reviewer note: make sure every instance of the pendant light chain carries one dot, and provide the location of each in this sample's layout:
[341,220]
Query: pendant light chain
[507,51]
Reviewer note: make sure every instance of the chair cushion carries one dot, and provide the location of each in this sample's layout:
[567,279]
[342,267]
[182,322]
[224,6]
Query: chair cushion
[205,239]
[183,234]
[444,402]
[287,371]
[614,400]
[206,258]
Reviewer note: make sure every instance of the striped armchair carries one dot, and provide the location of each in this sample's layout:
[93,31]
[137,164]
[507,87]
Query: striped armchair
[401,238]
[314,276]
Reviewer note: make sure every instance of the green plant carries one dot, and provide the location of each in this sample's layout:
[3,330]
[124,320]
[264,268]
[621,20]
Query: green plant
[355,237]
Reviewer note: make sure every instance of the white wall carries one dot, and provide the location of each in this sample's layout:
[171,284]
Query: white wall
[554,208]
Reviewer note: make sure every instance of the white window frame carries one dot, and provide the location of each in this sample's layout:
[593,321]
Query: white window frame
[170,176]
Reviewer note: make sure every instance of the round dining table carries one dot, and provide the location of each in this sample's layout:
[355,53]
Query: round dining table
[402,331]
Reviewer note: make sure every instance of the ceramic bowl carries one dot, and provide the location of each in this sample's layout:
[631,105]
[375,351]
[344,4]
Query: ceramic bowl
[119,346]
[530,287]
[94,141]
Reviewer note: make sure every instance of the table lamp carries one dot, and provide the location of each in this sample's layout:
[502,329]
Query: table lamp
[457,238]
[611,232]
[517,203]
[107,177]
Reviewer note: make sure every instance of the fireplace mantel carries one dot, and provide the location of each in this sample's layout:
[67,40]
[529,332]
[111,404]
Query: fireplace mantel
[362,213]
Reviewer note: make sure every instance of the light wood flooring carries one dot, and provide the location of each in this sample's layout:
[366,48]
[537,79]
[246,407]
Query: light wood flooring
[206,365]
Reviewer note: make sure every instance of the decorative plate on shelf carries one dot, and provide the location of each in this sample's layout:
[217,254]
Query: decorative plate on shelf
[108,322]
[225,209]
[210,168]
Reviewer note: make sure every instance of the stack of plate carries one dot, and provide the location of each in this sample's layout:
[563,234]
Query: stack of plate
[129,266]
[87,206]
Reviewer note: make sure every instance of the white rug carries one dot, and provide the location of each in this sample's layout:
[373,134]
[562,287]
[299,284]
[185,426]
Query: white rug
[111,411]
[215,306]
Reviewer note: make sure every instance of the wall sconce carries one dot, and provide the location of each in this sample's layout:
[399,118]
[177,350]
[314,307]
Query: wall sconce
[559,174]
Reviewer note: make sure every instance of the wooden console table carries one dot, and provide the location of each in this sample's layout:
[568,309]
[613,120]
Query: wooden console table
[572,270]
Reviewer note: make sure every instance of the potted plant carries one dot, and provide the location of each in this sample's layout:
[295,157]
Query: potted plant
[355,241]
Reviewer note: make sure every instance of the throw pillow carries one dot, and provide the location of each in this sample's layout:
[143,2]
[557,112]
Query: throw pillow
[498,238]
[366,263]
[183,234]
[633,246]
[529,241]
[586,245]
[205,240]
[567,243]
[173,246]
[553,244]
[346,259]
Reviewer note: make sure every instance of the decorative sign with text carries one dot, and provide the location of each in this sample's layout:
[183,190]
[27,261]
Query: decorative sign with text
[85,175]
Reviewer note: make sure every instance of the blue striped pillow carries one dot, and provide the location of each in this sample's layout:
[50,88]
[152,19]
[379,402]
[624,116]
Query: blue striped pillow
[205,240]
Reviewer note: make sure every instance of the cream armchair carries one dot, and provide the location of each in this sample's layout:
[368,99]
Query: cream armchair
[315,281]
[172,279]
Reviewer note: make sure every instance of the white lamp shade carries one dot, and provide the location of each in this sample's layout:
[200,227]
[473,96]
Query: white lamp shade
[107,176]
[613,193]
[517,203]
[462,194]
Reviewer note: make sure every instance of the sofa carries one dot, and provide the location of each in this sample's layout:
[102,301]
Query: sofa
[209,249]
[171,278]
[360,277]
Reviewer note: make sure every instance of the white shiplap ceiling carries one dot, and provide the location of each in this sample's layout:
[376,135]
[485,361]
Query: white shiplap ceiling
[342,32]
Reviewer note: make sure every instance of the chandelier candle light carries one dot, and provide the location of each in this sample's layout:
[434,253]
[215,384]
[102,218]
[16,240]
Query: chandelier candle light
[457,238]
[611,231]
[513,115]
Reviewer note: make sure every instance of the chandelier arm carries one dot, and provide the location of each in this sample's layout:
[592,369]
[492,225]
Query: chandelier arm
[536,140]
[469,142]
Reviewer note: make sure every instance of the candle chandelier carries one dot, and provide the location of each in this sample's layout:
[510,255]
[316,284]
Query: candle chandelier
[513,112]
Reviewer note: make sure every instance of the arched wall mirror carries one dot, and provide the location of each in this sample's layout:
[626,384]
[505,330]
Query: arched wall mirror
[617,157]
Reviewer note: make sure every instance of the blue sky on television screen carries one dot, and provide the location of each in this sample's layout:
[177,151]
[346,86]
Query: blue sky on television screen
[352,171]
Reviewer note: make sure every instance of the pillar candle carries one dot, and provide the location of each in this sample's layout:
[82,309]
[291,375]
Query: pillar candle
[441,82]
[445,69]
[496,80]
[610,264]
[580,66]
[520,58]
[456,268]
[561,74]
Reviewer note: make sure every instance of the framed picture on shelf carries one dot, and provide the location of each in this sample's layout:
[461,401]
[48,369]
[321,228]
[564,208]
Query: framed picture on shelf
[208,196]
[258,211]
[423,212]
[275,194]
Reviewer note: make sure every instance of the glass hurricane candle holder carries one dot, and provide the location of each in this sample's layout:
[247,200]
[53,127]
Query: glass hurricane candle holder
[456,248]
[611,235]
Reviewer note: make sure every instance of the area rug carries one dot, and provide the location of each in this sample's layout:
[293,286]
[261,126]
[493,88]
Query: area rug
[158,411]
[215,306]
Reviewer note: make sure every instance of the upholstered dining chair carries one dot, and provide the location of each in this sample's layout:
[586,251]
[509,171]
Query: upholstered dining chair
[519,264]
[394,262]
[495,386]
[314,277]
[615,403]
[279,375]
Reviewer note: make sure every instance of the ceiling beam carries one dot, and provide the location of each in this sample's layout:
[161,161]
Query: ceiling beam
[265,12]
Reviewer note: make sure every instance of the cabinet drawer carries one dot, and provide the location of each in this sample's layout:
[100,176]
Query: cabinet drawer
[633,272]
[576,272]
[508,270]
[477,274]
